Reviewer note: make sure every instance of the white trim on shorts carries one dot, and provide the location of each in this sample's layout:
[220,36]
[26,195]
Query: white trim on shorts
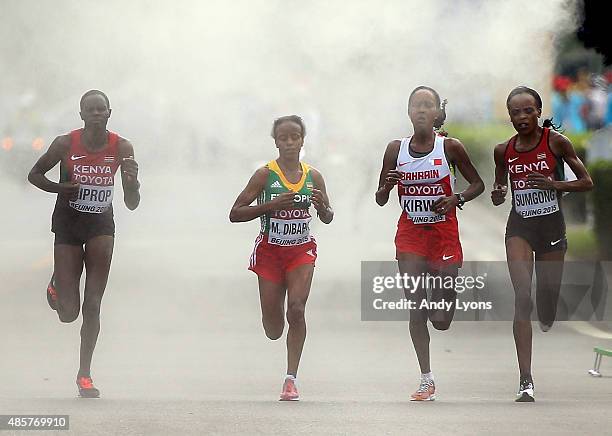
[253,259]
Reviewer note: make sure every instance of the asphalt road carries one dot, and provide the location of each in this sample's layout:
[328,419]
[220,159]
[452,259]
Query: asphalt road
[182,350]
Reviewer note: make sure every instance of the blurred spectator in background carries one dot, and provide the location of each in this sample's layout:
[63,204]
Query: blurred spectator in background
[584,103]
[608,77]
[560,99]
[596,103]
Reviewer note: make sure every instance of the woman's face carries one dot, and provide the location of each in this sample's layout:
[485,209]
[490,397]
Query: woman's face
[423,109]
[524,113]
[288,138]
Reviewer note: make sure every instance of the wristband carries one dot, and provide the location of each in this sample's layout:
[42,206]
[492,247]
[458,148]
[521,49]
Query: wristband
[460,199]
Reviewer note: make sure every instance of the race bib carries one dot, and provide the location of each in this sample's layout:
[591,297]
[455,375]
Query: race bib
[290,227]
[535,202]
[419,210]
[93,199]
[289,232]
[417,202]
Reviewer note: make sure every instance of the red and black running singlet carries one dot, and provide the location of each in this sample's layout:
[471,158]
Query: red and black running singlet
[529,202]
[93,171]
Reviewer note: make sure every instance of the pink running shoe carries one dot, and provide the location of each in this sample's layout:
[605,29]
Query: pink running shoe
[52,294]
[289,392]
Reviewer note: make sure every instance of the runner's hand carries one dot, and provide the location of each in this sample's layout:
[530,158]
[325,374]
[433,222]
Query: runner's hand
[539,181]
[283,201]
[443,205]
[318,201]
[392,178]
[68,189]
[498,194]
[129,168]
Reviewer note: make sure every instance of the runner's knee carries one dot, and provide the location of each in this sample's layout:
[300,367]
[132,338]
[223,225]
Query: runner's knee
[295,312]
[67,313]
[523,306]
[67,308]
[91,307]
[441,325]
[273,332]
[418,318]
[273,328]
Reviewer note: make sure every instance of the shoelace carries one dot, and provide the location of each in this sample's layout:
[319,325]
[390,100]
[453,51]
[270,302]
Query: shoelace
[526,385]
[425,384]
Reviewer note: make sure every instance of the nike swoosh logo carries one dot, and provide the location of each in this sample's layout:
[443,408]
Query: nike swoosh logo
[513,159]
[73,157]
[445,257]
[555,242]
[401,164]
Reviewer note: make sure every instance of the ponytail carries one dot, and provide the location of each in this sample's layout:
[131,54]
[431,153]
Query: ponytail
[548,122]
[439,121]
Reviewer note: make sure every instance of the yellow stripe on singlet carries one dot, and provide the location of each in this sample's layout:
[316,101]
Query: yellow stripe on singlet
[295,187]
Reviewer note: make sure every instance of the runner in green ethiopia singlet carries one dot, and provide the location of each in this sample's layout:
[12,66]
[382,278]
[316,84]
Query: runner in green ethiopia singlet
[287,227]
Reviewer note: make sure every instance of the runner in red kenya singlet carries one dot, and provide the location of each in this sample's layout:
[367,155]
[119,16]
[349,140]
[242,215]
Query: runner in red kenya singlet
[83,218]
[422,167]
[534,161]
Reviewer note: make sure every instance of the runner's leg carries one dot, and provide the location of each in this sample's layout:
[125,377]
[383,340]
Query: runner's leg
[68,267]
[98,255]
[299,280]
[414,265]
[519,255]
[272,300]
[549,272]
[442,319]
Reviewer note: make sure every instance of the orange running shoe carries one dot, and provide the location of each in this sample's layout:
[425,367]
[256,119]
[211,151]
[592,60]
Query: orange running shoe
[289,392]
[86,388]
[425,392]
[52,293]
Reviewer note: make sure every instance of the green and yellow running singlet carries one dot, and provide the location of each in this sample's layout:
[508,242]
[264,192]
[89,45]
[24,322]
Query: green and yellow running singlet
[287,227]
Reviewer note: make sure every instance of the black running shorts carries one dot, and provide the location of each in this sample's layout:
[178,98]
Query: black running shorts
[544,233]
[76,228]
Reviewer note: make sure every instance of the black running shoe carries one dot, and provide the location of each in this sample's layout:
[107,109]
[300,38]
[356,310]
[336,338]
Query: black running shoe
[545,326]
[52,294]
[525,393]
[86,388]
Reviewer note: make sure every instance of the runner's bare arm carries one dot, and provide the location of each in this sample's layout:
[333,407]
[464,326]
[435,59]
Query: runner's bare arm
[243,211]
[389,176]
[458,155]
[129,174]
[37,176]
[500,186]
[320,200]
[562,147]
